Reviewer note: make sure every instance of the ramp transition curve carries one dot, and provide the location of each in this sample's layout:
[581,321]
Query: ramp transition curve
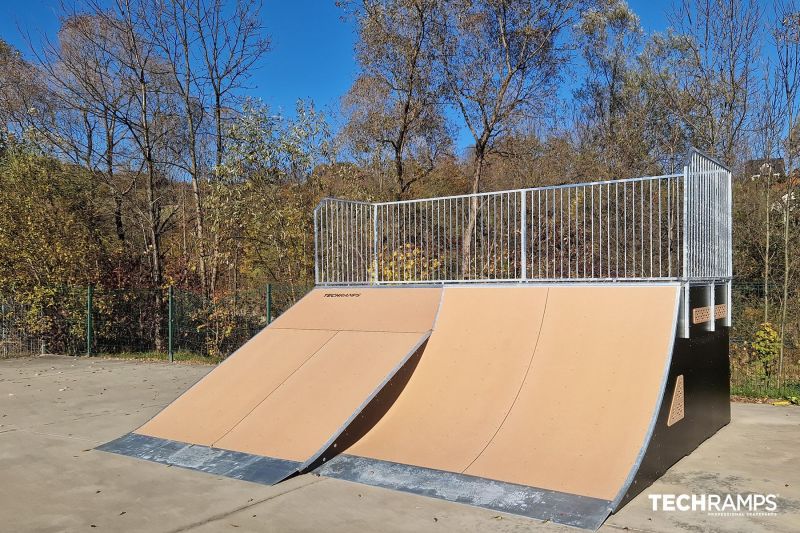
[282,399]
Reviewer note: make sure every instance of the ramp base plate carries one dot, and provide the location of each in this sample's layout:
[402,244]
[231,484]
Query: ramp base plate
[548,505]
[236,465]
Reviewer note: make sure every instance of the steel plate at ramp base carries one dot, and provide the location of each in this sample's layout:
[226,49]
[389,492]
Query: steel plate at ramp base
[237,465]
[568,509]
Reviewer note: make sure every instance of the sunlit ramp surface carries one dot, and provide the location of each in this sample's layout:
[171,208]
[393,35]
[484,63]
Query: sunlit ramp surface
[278,403]
[533,400]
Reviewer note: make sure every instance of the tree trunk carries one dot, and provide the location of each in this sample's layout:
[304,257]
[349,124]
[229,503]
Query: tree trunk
[766,249]
[473,213]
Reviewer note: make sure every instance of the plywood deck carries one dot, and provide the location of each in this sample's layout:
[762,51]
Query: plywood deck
[287,391]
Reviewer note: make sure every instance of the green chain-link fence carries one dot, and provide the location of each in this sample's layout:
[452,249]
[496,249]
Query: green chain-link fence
[158,322]
[154,323]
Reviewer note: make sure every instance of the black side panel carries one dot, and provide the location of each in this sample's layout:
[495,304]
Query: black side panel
[703,361]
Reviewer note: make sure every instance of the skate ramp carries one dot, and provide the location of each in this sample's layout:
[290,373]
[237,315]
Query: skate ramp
[284,397]
[534,400]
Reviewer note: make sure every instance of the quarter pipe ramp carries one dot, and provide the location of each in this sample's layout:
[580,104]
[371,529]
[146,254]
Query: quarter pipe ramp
[535,400]
[557,402]
[283,398]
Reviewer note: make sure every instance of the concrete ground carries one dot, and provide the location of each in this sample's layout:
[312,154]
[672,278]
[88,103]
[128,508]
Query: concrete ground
[54,410]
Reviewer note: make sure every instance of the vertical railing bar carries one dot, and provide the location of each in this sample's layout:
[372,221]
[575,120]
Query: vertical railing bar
[633,226]
[523,257]
[660,233]
[561,233]
[641,226]
[592,210]
[616,228]
[650,193]
[569,232]
[625,233]
[538,233]
[375,275]
[669,227]
[547,235]
[685,251]
[600,232]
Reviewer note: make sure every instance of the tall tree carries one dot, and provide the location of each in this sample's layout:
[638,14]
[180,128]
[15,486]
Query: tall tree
[705,66]
[613,125]
[499,61]
[786,36]
[231,40]
[394,106]
[173,30]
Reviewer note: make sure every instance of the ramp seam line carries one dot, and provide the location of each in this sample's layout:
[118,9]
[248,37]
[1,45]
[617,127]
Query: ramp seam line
[353,330]
[213,444]
[521,385]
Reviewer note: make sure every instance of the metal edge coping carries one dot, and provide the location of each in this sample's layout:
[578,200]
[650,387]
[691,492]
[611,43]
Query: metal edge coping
[532,502]
[654,418]
[423,339]
[510,284]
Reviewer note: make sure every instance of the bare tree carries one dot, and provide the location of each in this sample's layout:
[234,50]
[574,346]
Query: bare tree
[705,67]
[231,41]
[767,131]
[499,61]
[393,106]
[82,72]
[617,114]
[173,30]
[786,36]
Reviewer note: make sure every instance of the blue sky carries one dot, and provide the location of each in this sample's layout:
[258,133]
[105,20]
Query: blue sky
[312,46]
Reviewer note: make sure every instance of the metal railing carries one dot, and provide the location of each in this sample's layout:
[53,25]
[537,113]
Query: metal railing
[671,227]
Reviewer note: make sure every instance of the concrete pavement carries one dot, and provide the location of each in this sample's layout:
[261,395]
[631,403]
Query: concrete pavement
[54,410]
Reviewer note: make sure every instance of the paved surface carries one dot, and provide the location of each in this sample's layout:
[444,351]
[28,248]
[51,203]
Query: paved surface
[54,410]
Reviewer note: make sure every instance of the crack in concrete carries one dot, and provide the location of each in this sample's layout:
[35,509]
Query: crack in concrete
[226,514]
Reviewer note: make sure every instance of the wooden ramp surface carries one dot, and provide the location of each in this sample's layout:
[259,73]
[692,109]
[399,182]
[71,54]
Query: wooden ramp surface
[552,388]
[292,389]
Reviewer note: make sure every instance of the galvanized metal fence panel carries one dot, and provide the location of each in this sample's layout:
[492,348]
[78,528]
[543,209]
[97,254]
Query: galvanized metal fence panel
[649,228]
[708,219]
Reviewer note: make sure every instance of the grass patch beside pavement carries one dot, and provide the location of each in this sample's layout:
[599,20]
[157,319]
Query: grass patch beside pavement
[180,356]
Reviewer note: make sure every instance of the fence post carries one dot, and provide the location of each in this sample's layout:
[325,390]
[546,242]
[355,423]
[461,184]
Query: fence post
[170,324]
[269,303]
[89,319]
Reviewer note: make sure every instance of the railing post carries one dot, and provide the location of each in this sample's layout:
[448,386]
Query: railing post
[524,236]
[685,244]
[269,303]
[170,324]
[316,246]
[89,319]
[374,244]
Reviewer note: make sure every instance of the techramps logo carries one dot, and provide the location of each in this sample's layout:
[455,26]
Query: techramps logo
[753,504]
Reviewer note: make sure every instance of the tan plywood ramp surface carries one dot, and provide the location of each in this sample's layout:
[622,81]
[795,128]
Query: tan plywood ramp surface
[585,408]
[299,380]
[218,402]
[316,401]
[392,309]
[465,383]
